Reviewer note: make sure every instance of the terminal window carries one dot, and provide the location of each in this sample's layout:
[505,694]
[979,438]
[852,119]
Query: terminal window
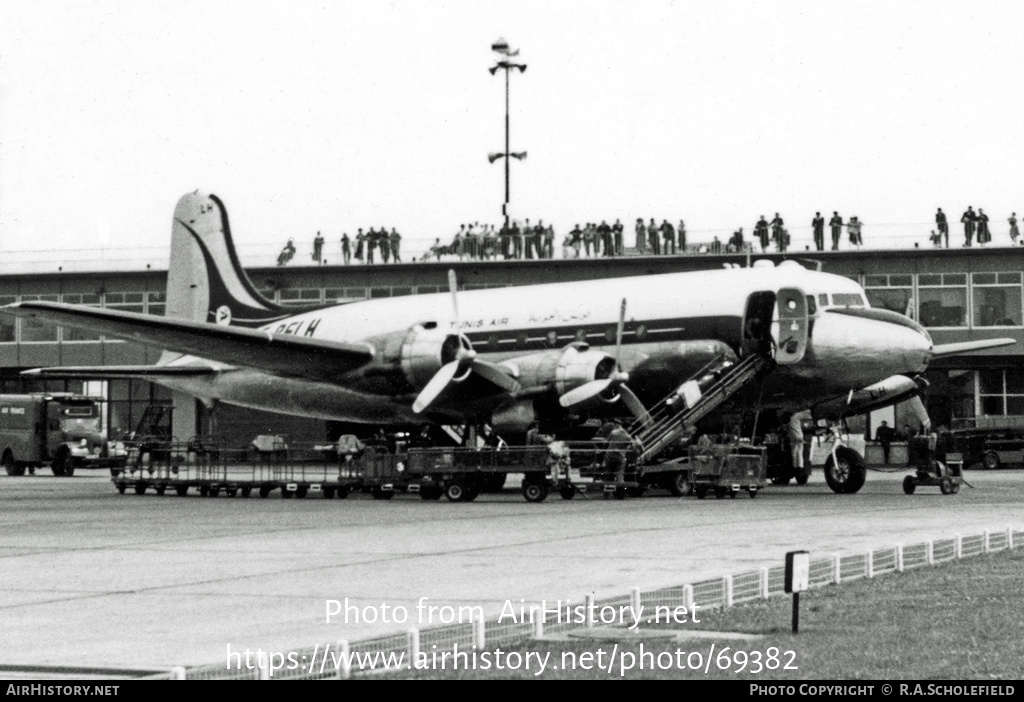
[891,292]
[943,299]
[997,299]
[1001,392]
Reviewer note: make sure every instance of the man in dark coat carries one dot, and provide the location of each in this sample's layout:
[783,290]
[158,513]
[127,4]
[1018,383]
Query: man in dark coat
[969,218]
[836,223]
[819,231]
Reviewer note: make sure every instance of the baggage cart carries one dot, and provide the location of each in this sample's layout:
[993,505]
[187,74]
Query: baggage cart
[725,469]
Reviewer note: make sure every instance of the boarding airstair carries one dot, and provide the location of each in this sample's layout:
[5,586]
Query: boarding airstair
[690,402]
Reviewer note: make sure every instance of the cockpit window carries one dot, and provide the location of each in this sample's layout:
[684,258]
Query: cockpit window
[847,300]
[811,307]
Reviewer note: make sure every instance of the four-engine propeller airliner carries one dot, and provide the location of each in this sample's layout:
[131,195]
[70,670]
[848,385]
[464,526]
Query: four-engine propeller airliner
[509,356]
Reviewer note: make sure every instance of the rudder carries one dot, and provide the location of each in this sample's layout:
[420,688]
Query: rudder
[205,280]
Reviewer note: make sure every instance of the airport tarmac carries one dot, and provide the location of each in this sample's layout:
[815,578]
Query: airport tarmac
[94,578]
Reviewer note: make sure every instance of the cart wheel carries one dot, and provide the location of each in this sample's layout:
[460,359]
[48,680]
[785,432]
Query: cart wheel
[265,491]
[286,493]
[230,492]
[620,493]
[121,486]
[301,491]
[328,493]
[802,477]
[954,487]
[140,488]
[909,485]
[733,493]
[204,490]
[679,484]
[246,491]
[472,493]
[535,492]
[990,461]
[455,491]
[567,493]
[341,493]
[720,493]
[702,492]
[946,485]
[214,491]
[160,489]
[753,492]
[182,490]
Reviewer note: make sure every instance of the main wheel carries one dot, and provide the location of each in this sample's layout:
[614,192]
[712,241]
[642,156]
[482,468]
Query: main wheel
[121,487]
[246,491]
[990,461]
[568,492]
[679,484]
[909,485]
[342,493]
[846,475]
[11,466]
[702,492]
[161,489]
[535,492]
[753,492]
[720,492]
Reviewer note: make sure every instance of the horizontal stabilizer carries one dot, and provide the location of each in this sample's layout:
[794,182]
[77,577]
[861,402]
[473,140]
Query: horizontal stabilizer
[105,372]
[943,350]
[280,354]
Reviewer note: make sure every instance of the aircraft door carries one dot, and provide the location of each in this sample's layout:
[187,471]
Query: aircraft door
[757,316]
[792,326]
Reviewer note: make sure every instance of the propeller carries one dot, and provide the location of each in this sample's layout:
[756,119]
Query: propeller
[459,369]
[616,379]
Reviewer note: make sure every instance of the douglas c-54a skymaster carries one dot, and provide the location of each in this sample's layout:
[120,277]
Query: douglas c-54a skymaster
[770,337]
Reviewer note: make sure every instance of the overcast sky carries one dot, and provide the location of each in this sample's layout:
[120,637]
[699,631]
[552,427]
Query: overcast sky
[346,114]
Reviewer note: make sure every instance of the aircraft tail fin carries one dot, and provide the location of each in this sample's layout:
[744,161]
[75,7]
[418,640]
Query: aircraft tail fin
[205,280]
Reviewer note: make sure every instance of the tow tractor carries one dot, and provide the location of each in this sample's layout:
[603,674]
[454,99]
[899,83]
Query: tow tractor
[935,468]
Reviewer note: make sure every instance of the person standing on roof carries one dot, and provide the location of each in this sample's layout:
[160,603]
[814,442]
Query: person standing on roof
[318,249]
[968,219]
[761,232]
[346,249]
[819,231]
[836,223]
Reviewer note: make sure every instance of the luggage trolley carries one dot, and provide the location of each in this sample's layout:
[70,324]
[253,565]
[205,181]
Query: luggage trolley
[727,468]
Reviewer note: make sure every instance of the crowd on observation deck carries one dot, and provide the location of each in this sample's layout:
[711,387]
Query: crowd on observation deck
[525,241]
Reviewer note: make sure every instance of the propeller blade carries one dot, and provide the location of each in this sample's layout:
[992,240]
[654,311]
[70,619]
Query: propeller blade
[496,375]
[584,392]
[436,386]
[635,406]
[618,330]
[453,287]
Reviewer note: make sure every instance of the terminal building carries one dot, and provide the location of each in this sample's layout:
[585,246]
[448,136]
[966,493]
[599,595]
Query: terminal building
[957,294]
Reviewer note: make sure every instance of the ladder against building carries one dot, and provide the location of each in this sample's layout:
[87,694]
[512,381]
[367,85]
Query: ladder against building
[693,400]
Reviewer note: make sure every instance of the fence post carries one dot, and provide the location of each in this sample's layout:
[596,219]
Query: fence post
[635,601]
[345,660]
[538,623]
[480,632]
[837,569]
[959,543]
[1009,537]
[899,558]
[414,646]
[727,590]
[764,583]
[590,610]
[929,549]
[984,536]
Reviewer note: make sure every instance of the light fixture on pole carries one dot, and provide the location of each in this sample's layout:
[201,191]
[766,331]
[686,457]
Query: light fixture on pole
[501,47]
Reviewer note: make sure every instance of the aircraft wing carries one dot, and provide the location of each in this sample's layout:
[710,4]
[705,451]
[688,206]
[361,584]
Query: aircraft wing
[106,372]
[280,354]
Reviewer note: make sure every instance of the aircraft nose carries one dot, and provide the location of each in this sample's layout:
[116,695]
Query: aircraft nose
[875,345]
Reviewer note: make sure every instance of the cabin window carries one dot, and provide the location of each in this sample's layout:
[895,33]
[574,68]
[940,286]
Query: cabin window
[891,292]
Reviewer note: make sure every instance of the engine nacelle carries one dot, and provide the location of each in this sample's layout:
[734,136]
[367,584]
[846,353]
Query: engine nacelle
[562,369]
[894,389]
[425,348]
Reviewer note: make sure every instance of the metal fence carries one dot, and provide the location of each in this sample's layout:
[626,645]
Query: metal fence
[402,651]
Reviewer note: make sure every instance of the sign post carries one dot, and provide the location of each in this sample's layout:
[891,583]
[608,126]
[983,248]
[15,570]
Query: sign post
[798,578]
